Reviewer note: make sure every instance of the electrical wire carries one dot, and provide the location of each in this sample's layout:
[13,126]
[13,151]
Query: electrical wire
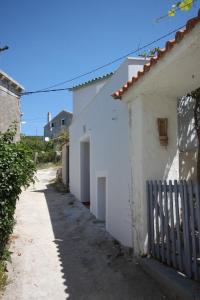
[49,89]
[43,91]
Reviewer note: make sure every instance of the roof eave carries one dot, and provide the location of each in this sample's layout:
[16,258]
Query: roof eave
[13,82]
[89,82]
[162,52]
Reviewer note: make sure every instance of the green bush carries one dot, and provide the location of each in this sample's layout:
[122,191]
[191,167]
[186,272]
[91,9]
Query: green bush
[16,171]
[45,157]
[42,152]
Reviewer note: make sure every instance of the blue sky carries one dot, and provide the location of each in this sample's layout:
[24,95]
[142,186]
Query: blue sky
[52,41]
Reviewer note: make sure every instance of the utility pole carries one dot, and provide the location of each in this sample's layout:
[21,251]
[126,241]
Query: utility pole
[4,48]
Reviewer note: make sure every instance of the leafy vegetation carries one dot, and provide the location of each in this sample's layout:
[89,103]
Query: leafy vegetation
[150,53]
[184,5]
[17,170]
[42,152]
[61,139]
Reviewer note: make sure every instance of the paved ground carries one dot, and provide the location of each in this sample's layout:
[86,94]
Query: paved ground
[61,252]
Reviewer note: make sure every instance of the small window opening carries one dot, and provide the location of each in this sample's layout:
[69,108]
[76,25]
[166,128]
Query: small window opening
[63,122]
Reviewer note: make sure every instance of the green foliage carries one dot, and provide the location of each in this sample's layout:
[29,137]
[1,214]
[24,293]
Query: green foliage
[41,151]
[61,139]
[45,152]
[46,157]
[184,5]
[150,53]
[36,143]
[16,171]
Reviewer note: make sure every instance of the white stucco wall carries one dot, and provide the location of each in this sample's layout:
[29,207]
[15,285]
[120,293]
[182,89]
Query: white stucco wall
[105,123]
[155,96]
[149,159]
[83,96]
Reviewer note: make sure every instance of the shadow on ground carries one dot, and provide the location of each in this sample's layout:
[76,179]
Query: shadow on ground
[94,266]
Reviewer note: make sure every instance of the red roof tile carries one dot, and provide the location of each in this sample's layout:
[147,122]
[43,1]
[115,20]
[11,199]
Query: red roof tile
[168,46]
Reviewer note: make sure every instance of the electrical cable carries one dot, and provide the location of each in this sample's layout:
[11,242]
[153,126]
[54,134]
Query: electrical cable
[49,89]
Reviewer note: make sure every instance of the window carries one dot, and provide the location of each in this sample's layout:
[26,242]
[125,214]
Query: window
[52,125]
[63,122]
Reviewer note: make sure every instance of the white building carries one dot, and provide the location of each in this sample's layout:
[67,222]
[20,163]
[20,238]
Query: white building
[151,95]
[99,160]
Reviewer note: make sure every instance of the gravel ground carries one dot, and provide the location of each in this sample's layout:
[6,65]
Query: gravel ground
[61,252]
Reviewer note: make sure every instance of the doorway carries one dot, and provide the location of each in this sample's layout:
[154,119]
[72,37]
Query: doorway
[101,198]
[85,172]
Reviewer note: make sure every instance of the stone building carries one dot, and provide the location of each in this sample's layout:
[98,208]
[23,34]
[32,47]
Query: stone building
[9,103]
[59,123]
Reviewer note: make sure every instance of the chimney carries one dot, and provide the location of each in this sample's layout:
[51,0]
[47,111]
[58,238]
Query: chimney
[49,117]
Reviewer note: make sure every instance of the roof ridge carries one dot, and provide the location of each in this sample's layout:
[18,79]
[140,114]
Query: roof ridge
[91,81]
[68,112]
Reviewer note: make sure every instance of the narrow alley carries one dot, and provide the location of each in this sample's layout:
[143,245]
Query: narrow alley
[60,251]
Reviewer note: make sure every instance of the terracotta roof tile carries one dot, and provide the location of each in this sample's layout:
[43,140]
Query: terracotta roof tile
[168,46]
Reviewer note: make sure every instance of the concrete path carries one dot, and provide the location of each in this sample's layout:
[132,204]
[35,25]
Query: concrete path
[61,252]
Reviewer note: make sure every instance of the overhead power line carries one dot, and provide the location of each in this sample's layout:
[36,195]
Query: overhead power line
[43,91]
[49,89]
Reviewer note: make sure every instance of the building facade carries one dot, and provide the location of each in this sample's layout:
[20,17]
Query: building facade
[153,95]
[59,123]
[99,160]
[10,91]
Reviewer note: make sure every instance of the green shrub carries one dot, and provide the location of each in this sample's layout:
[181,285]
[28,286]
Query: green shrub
[42,152]
[16,171]
[45,157]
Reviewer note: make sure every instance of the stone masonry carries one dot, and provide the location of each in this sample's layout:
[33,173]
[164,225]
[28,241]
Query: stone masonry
[9,103]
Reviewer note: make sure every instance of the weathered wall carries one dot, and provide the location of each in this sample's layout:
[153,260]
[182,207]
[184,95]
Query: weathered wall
[9,110]
[149,159]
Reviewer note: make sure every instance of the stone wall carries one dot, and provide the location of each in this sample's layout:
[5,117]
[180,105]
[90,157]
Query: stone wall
[53,132]
[9,110]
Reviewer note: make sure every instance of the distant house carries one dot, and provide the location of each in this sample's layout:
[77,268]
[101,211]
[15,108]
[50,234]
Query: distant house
[9,103]
[58,124]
